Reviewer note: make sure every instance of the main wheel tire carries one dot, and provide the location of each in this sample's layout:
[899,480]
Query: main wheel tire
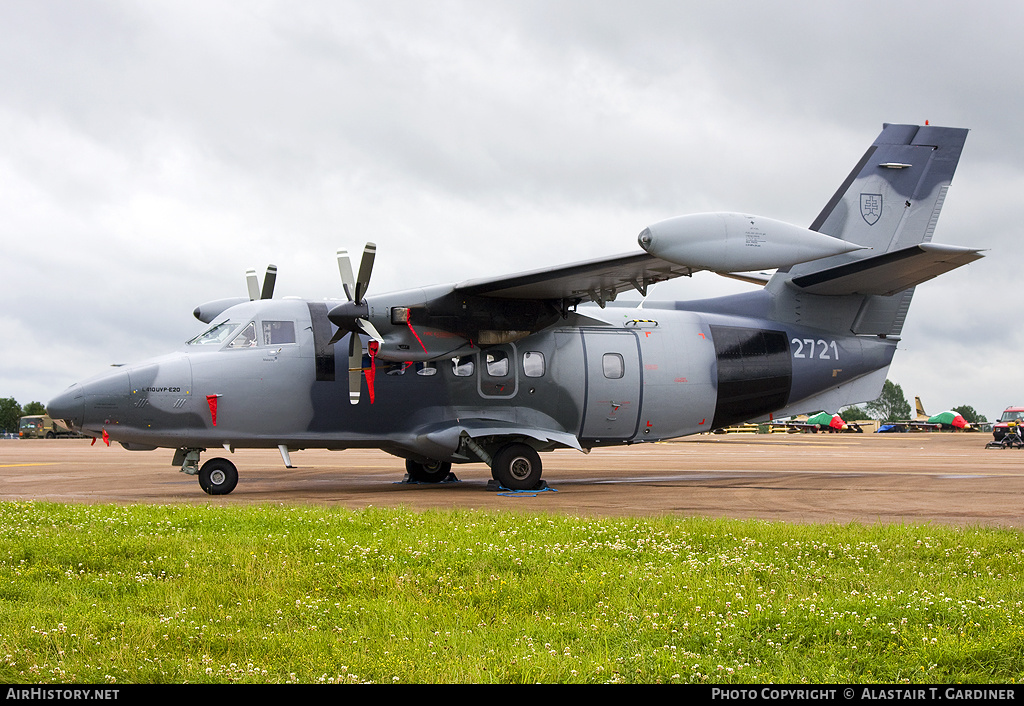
[517,467]
[218,476]
[430,472]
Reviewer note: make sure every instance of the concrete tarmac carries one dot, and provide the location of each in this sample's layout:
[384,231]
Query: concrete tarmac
[942,478]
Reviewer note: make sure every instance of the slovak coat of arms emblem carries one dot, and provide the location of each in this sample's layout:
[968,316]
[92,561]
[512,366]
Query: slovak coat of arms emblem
[871,208]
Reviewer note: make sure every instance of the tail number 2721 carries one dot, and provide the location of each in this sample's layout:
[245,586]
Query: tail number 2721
[808,347]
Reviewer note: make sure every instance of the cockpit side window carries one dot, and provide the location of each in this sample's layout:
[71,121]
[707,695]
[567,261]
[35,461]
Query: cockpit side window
[245,339]
[215,335]
[278,332]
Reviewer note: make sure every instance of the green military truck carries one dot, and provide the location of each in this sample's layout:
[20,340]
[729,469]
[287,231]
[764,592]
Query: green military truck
[40,426]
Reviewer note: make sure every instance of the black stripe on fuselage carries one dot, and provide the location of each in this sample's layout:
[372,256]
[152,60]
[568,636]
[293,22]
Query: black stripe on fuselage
[322,333]
[755,373]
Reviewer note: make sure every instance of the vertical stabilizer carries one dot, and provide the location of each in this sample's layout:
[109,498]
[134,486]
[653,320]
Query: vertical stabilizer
[892,198]
[889,203]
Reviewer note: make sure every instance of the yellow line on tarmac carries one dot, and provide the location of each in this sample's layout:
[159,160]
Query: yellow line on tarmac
[16,465]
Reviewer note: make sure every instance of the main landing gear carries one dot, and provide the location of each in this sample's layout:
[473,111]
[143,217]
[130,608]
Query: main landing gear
[429,472]
[517,467]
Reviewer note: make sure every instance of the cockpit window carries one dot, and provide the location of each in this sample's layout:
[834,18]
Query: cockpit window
[215,335]
[245,339]
[278,332]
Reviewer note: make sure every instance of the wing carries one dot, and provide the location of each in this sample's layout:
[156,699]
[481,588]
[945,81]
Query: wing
[599,280]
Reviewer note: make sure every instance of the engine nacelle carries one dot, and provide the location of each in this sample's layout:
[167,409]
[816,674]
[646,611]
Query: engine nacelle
[208,311]
[736,242]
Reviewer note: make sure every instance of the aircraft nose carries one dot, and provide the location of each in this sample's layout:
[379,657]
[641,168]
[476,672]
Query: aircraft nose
[69,406]
[90,405]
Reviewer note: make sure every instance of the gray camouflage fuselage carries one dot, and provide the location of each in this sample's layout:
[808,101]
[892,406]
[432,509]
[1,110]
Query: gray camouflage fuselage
[547,359]
[675,373]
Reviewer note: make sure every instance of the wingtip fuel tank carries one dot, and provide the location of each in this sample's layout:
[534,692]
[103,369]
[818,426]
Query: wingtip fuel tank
[737,242]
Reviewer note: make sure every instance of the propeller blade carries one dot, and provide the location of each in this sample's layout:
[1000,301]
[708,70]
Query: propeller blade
[253,283]
[348,281]
[355,368]
[369,330]
[268,282]
[338,335]
[365,269]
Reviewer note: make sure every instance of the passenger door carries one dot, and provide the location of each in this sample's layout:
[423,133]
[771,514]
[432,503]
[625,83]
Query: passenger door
[614,385]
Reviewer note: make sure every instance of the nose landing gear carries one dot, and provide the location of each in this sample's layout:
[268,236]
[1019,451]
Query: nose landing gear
[218,476]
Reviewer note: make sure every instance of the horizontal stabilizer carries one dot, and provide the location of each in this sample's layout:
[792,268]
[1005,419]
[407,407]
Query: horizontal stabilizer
[889,272]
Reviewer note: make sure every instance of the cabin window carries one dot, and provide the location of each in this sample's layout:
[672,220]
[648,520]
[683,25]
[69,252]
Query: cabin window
[276,333]
[533,364]
[245,339]
[613,365]
[497,364]
[462,367]
[215,335]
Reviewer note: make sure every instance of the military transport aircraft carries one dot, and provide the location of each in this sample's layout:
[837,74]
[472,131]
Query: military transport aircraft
[496,370]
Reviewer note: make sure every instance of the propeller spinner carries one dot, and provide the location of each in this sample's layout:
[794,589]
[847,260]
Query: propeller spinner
[353,317]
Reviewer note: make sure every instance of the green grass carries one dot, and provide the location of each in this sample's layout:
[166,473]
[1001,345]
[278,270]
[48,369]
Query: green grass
[302,594]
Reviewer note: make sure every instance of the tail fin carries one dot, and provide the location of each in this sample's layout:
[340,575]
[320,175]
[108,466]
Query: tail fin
[922,416]
[890,203]
[892,198]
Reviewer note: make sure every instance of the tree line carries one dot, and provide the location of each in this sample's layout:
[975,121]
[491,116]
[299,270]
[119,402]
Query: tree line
[892,406]
[11,412]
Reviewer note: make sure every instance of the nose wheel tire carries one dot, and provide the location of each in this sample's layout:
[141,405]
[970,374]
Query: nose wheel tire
[430,472]
[218,476]
[517,467]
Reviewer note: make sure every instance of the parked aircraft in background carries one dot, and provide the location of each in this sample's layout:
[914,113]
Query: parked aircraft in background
[919,423]
[922,416]
[497,370]
[822,421]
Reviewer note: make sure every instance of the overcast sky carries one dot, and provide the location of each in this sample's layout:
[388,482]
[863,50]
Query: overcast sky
[152,152]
